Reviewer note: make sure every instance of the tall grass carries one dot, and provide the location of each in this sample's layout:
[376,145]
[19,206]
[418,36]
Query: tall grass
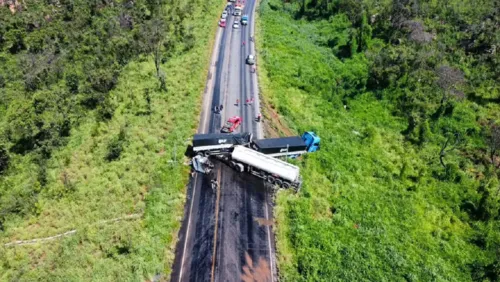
[149,177]
[371,207]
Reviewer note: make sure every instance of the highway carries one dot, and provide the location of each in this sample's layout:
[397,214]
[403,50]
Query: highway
[226,234]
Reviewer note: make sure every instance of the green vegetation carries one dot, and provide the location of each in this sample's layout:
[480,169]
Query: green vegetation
[405,95]
[96,105]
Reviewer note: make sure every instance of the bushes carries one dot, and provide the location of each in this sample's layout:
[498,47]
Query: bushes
[72,82]
[70,162]
[115,146]
[377,203]
[4,159]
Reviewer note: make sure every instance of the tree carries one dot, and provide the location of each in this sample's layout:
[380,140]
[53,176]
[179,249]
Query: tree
[400,13]
[453,140]
[147,97]
[449,80]
[417,33]
[115,147]
[494,145]
[39,68]
[15,40]
[72,82]
[153,33]
[4,159]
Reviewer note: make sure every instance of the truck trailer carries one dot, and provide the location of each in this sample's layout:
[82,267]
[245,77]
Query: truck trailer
[277,147]
[272,170]
[218,143]
[214,143]
[293,146]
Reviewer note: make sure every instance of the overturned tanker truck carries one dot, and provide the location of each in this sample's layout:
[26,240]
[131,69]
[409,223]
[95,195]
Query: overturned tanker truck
[272,170]
[257,157]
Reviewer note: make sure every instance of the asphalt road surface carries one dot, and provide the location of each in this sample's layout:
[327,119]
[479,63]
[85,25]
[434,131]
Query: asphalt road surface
[226,233]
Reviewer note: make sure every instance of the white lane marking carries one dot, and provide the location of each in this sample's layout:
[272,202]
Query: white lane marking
[216,224]
[215,54]
[211,82]
[269,244]
[188,226]
[226,72]
[256,94]
[221,220]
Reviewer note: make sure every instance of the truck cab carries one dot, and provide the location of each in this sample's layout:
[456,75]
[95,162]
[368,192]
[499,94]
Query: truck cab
[244,20]
[312,141]
[237,10]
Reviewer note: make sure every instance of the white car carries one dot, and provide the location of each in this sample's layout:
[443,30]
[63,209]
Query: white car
[236,25]
[250,59]
[224,15]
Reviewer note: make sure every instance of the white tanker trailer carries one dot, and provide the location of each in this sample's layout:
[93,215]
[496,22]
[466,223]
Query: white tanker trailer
[271,169]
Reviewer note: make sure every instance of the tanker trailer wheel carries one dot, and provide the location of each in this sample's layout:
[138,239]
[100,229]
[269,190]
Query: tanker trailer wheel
[270,179]
[278,182]
[239,167]
[286,185]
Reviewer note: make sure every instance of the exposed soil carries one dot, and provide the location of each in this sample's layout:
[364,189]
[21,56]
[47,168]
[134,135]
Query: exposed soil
[259,272]
[273,124]
[14,5]
[264,222]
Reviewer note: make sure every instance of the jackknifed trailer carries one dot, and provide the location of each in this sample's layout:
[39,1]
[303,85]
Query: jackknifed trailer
[272,170]
[218,143]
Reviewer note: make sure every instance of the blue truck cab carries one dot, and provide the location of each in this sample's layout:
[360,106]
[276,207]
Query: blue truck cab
[244,20]
[312,141]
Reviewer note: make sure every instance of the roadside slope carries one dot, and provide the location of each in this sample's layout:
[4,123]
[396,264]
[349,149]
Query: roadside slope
[376,204]
[148,178]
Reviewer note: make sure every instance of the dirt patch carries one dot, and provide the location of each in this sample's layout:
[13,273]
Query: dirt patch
[273,124]
[264,222]
[256,273]
[14,5]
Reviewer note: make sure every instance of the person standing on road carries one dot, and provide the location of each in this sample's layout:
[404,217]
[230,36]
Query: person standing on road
[237,102]
[214,184]
[243,43]
[259,117]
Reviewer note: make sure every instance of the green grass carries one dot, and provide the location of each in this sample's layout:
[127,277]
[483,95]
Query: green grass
[373,207]
[83,188]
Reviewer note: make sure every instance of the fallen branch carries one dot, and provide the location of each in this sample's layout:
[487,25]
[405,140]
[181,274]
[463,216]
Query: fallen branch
[39,240]
[68,233]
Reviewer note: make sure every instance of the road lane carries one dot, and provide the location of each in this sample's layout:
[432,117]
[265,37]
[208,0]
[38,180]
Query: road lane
[244,243]
[193,254]
[245,212]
